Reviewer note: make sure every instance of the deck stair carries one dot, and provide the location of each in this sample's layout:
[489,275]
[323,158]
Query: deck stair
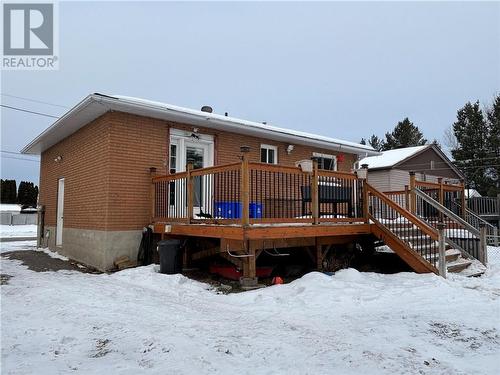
[417,240]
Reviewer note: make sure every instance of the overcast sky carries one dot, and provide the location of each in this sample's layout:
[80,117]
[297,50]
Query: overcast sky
[344,70]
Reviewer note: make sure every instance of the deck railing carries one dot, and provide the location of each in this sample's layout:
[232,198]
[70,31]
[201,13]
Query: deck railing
[396,221]
[459,233]
[485,206]
[251,193]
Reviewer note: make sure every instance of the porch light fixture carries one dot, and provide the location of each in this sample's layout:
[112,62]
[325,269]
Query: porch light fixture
[289,149]
[58,159]
[244,149]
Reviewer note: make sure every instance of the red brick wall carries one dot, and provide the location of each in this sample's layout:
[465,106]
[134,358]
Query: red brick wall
[106,168]
[85,168]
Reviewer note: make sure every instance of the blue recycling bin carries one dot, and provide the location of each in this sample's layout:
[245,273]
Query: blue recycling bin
[256,210]
[233,210]
[228,210]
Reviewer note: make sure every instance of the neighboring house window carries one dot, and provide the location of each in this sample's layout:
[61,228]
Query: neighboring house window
[325,161]
[269,154]
[432,164]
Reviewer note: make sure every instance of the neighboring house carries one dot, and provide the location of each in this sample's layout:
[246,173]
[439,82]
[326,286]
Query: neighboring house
[390,171]
[472,193]
[95,181]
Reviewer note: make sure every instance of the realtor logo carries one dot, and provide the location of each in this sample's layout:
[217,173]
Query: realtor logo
[29,32]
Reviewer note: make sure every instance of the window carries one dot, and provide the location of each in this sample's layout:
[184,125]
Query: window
[269,154]
[326,162]
[173,158]
[172,169]
[432,164]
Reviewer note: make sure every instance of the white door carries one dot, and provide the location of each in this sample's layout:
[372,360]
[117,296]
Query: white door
[60,212]
[199,155]
[199,149]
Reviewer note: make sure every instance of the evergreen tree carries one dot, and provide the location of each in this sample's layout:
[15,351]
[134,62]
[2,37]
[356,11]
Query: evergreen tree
[21,193]
[493,145]
[8,191]
[28,194]
[362,142]
[376,142]
[471,131]
[405,134]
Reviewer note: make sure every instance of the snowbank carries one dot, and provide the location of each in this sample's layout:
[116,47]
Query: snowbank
[138,320]
[12,231]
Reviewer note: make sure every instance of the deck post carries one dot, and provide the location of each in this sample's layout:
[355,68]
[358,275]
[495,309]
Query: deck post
[495,236]
[314,192]
[319,255]
[245,186]
[407,198]
[413,198]
[190,191]
[441,196]
[152,174]
[442,249]
[463,202]
[363,177]
[483,244]
[249,279]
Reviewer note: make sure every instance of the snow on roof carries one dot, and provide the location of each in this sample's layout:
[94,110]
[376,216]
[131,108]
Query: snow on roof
[95,105]
[392,157]
[265,127]
[7,207]
[472,193]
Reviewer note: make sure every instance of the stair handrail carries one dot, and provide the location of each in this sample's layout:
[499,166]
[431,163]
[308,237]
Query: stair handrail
[476,216]
[466,225]
[405,213]
[413,249]
[438,206]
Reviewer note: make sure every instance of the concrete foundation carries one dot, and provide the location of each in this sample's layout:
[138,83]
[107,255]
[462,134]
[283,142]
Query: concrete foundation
[94,248]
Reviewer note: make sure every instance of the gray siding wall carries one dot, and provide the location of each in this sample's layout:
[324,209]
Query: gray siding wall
[395,179]
[389,179]
[380,180]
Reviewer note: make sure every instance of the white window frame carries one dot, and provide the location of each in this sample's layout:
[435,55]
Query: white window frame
[181,138]
[267,148]
[327,156]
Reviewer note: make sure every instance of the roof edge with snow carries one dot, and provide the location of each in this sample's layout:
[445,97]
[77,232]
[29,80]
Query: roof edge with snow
[393,158]
[95,105]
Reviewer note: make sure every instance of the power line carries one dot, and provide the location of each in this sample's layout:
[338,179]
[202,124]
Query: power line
[14,157]
[33,100]
[27,111]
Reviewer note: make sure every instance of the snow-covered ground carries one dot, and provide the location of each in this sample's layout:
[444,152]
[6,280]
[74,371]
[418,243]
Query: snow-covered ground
[12,231]
[140,321]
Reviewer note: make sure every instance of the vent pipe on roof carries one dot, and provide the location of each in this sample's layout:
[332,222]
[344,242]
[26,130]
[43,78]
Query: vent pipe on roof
[206,108]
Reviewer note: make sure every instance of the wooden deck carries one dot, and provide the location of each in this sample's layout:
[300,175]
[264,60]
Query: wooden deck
[239,210]
[262,231]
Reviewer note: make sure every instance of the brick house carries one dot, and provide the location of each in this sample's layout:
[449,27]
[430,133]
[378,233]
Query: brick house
[95,166]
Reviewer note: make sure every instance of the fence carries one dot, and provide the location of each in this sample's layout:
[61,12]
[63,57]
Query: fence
[8,218]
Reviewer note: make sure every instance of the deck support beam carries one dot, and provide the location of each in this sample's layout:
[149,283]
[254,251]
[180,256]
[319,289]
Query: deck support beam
[319,255]
[249,278]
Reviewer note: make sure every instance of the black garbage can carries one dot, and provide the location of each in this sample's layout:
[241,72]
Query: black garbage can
[170,256]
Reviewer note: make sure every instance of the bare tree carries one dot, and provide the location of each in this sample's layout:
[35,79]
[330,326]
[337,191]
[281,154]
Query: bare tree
[449,139]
